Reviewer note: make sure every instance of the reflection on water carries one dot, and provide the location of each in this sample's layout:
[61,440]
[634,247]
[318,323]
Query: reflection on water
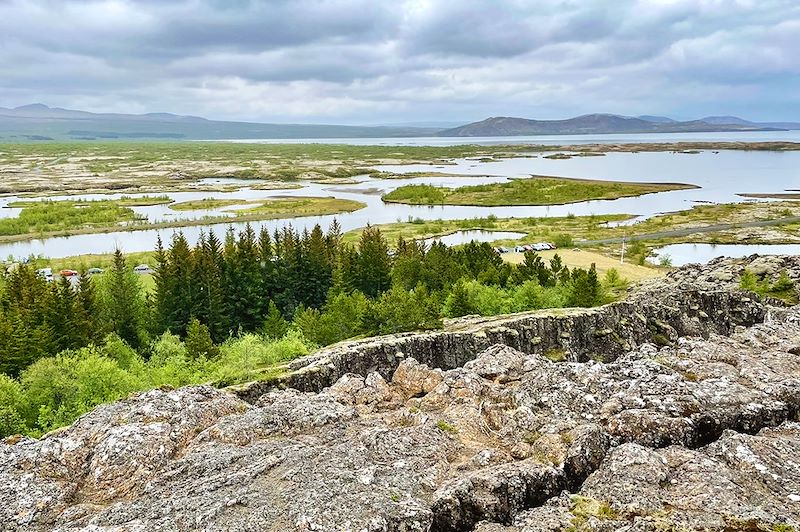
[680,254]
[722,175]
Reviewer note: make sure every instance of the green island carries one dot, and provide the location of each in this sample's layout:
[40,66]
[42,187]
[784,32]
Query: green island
[46,218]
[536,190]
[124,201]
[206,204]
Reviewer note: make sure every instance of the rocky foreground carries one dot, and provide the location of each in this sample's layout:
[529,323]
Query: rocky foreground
[699,432]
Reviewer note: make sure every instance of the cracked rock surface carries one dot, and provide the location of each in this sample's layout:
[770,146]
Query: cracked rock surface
[701,434]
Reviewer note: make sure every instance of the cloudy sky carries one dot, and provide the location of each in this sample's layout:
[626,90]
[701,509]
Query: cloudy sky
[389,61]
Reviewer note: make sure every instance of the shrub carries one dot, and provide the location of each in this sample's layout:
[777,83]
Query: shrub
[563,240]
[11,403]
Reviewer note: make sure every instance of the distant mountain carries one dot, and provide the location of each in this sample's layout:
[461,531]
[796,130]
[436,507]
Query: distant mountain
[588,124]
[657,119]
[743,122]
[718,120]
[40,122]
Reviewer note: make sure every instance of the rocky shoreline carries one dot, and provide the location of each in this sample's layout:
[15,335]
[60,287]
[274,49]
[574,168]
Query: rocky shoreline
[682,417]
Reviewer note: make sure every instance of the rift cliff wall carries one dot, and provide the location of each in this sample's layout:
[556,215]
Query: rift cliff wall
[602,333]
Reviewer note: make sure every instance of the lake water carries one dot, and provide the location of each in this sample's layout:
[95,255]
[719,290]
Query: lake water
[680,254]
[721,176]
[733,136]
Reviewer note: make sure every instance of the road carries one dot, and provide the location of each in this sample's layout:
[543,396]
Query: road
[690,231]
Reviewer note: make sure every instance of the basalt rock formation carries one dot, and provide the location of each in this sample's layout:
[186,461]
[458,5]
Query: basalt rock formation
[688,422]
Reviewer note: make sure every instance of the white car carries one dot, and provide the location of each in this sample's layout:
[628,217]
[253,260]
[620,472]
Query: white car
[143,268]
[45,273]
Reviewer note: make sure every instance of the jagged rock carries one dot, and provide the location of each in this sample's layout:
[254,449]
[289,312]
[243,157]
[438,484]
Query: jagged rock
[697,434]
[739,483]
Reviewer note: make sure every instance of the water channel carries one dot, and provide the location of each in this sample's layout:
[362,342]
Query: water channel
[721,176]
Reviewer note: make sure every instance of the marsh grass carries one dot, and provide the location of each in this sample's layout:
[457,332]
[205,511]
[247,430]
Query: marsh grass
[537,190]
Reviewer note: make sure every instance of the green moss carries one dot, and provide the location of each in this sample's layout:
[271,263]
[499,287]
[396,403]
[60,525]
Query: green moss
[444,426]
[585,508]
[555,354]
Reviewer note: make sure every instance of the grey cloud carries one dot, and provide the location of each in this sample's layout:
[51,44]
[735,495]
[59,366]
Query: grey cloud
[370,60]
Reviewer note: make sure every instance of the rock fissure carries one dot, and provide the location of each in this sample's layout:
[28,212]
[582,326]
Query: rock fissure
[700,433]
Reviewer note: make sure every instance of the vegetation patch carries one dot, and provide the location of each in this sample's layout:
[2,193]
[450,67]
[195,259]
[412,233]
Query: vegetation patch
[301,206]
[206,204]
[45,216]
[783,288]
[537,190]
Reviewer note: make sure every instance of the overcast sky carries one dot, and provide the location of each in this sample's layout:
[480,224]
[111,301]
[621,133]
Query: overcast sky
[387,61]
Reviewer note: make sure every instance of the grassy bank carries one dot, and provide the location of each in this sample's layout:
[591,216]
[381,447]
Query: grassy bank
[124,201]
[537,190]
[206,204]
[48,219]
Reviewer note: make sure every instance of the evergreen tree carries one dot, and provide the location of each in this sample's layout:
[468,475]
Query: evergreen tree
[198,341]
[209,304]
[123,302]
[372,275]
[275,326]
[407,270]
[458,302]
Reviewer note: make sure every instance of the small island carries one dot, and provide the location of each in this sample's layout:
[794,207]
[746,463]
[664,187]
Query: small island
[536,190]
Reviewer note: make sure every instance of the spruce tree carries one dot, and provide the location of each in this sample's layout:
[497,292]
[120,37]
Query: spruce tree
[198,341]
[374,265]
[275,326]
[123,302]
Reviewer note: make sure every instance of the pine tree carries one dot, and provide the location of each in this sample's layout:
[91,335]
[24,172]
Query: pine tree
[374,265]
[198,341]
[123,302]
[209,305]
[275,326]
[458,302]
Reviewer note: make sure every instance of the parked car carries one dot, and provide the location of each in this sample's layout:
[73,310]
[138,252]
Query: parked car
[67,273]
[143,268]
[45,273]
[528,247]
[520,249]
[504,249]
[94,271]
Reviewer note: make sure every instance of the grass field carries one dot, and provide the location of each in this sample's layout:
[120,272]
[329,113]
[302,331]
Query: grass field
[205,204]
[536,190]
[584,259]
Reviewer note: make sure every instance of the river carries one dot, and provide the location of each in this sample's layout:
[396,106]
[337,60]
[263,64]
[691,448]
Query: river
[721,175]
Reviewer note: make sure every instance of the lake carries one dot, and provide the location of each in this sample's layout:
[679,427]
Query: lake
[721,175]
[680,254]
[732,136]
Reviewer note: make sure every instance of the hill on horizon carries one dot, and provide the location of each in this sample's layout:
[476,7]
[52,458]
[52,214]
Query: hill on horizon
[601,124]
[40,122]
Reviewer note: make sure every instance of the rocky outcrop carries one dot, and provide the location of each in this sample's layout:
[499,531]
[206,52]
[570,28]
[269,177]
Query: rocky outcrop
[602,333]
[696,431]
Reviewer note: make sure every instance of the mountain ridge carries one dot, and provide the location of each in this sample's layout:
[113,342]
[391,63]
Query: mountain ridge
[598,123]
[38,121]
